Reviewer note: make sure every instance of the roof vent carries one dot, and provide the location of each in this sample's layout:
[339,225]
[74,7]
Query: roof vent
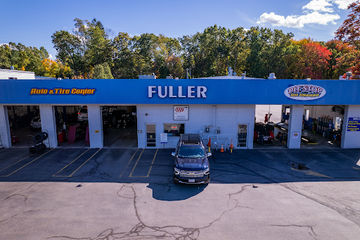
[348,75]
[243,75]
[272,76]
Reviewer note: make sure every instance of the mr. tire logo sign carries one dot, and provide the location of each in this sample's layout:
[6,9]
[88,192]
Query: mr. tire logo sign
[304,92]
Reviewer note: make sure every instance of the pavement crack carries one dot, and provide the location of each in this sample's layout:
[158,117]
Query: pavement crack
[232,208]
[311,228]
[17,194]
[6,219]
[347,212]
[141,230]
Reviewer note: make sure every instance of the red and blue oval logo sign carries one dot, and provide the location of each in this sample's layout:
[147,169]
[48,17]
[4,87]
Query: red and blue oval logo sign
[305,92]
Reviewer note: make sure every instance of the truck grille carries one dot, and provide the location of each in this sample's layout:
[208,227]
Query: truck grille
[192,174]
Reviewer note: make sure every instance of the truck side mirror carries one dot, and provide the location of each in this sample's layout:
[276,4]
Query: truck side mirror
[173,154]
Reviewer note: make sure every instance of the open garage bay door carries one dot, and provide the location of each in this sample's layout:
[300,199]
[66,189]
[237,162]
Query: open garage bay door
[72,126]
[120,126]
[322,126]
[24,122]
[267,133]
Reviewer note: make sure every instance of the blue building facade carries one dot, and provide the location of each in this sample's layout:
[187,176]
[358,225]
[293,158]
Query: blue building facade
[214,99]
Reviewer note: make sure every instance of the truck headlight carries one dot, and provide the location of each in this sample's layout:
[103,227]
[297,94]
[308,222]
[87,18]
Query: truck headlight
[176,171]
[206,171]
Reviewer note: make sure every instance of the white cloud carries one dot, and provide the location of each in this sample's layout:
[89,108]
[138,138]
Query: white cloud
[315,12]
[343,4]
[52,57]
[319,6]
[298,21]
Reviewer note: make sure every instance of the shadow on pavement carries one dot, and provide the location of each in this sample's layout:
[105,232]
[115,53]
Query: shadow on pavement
[174,192]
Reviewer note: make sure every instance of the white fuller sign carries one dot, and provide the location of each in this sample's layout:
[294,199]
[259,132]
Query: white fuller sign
[182,92]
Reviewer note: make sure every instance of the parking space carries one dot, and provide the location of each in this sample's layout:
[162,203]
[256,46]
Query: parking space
[18,165]
[71,168]
[90,164]
[147,159]
[155,165]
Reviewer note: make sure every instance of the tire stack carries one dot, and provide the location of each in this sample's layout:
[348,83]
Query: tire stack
[39,147]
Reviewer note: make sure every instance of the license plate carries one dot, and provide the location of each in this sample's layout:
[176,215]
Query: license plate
[191,180]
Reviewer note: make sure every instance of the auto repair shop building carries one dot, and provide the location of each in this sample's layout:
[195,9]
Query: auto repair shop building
[222,109]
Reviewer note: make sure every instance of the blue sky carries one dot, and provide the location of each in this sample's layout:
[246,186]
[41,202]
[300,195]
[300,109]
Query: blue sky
[32,23]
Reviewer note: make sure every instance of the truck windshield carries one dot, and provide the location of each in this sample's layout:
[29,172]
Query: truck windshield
[191,152]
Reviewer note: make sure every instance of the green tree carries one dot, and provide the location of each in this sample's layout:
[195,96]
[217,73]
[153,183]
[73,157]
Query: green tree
[239,50]
[349,33]
[144,48]
[123,57]
[174,66]
[22,57]
[188,46]
[99,72]
[107,71]
[69,50]
[87,46]
[5,56]
[338,63]
[268,50]
[207,53]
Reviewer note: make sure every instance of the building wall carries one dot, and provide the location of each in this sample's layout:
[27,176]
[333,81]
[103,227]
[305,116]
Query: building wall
[225,117]
[350,139]
[48,124]
[96,134]
[295,126]
[5,136]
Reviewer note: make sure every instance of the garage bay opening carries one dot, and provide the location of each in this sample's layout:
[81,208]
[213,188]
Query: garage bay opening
[322,126]
[268,130]
[120,126]
[72,126]
[24,122]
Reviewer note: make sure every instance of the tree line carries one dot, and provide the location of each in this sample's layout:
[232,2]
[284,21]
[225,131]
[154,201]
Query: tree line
[31,59]
[90,51]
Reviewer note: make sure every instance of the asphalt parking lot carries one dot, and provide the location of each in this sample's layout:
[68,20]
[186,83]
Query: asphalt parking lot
[69,193]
